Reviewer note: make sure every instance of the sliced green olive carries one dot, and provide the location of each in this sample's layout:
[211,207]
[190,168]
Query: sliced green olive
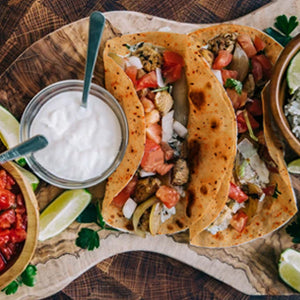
[139,212]
[155,218]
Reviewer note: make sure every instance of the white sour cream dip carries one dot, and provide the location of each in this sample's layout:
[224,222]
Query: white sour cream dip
[83,142]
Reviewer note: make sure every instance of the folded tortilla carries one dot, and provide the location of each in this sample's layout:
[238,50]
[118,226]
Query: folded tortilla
[211,131]
[274,212]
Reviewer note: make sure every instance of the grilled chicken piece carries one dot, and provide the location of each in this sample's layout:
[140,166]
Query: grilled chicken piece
[224,41]
[150,58]
[145,188]
[163,102]
[208,56]
[180,174]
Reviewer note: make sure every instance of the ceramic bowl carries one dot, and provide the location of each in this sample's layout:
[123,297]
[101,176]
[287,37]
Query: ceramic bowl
[279,92]
[23,257]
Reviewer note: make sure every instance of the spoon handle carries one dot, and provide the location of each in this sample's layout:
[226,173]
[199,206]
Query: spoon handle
[35,143]
[96,26]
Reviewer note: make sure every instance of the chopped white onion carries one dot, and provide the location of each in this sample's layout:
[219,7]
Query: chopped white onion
[129,208]
[218,75]
[205,46]
[160,80]
[167,126]
[180,129]
[143,173]
[167,213]
[133,61]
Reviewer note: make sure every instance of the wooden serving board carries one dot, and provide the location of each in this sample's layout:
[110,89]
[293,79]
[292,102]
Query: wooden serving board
[250,268]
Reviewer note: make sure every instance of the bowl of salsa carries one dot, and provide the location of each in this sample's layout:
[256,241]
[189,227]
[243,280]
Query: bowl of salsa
[18,223]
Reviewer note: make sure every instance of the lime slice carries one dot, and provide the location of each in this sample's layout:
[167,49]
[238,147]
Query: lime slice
[10,131]
[62,212]
[32,179]
[294,166]
[289,268]
[293,73]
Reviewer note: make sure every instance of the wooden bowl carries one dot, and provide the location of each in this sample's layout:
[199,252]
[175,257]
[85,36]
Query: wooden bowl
[23,258]
[278,92]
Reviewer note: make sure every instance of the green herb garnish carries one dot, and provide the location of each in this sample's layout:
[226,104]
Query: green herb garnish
[234,84]
[285,27]
[27,278]
[89,238]
[294,230]
[276,192]
[164,88]
[248,123]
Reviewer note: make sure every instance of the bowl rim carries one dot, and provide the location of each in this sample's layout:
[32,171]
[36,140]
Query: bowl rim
[62,86]
[275,84]
[32,211]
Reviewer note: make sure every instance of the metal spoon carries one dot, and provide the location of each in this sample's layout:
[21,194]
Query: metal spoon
[33,144]
[96,26]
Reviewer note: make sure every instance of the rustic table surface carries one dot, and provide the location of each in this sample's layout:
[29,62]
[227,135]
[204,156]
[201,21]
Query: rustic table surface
[132,275]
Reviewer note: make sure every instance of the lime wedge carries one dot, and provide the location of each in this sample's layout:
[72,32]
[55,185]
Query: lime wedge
[10,131]
[289,268]
[32,179]
[293,73]
[62,212]
[294,166]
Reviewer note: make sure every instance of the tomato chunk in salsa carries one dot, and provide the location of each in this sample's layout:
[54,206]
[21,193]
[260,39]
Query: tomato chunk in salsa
[13,219]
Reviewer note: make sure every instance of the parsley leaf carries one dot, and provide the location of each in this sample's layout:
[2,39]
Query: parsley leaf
[88,239]
[294,230]
[27,277]
[234,84]
[286,25]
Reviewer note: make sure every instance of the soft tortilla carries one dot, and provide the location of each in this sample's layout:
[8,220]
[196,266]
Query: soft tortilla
[274,212]
[211,126]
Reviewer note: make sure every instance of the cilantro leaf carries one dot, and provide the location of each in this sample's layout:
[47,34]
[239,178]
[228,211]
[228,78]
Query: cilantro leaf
[276,192]
[28,276]
[294,230]
[89,215]
[234,84]
[276,35]
[88,239]
[286,25]
[11,288]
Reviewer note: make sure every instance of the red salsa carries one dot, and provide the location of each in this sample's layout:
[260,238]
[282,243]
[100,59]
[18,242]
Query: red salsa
[13,220]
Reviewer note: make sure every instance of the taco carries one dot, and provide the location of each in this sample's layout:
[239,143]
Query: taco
[189,133]
[260,197]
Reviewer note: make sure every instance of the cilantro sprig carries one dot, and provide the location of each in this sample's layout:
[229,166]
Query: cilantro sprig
[284,28]
[88,238]
[234,84]
[27,278]
[294,230]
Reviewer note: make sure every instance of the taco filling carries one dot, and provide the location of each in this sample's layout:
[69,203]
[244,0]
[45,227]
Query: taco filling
[150,198]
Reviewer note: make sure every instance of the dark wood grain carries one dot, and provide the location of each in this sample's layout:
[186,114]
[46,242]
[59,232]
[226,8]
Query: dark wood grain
[137,275]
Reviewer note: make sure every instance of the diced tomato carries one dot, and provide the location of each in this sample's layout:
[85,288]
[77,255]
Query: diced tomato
[151,146]
[239,221]
[246,43]
[2,263]
[17,235]
[223,59]
[168,196]
[8,250]
[168,151]
[152,160]
[147,104]
[152,117]
[257,70]
[235,193]
[20,221]
[226,74]
[164,169]
[172,58]
[254,107]
[149,80]
[131,72]
[265,64]
[4,237]
[259,44]
[236,99]
[171,73]
[20,200]
[7,199]
[154,133]
[129,189]
[241,122]
[7,218]
[6,181]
